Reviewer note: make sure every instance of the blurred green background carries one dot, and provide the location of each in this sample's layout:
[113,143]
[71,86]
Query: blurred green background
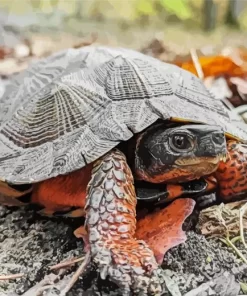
[206,14]
[134,22]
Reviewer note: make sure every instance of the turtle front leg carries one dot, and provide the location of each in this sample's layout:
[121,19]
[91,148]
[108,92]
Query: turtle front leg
[111,224]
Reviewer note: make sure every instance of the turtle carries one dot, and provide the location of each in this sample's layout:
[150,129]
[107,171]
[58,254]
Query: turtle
[89,131]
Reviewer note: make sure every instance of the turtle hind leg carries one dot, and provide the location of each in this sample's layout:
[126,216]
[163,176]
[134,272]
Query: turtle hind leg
[12,195]
[64,195]
[232,175]
[111,224]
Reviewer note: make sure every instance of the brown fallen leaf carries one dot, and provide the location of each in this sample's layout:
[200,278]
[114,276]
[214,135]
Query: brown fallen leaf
[215,66]
[227,89]
[163,51]
[237,54]
[162,230]
[4,52]
[210,219]
[155,48]
[222,76]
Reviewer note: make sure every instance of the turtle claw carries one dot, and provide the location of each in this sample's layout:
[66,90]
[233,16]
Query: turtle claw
[131,265]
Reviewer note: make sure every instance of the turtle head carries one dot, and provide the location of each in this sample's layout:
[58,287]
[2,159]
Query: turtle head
[178,153]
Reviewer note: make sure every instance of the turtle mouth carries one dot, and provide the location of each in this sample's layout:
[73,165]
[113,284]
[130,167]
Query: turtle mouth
[200,160]
[149,192]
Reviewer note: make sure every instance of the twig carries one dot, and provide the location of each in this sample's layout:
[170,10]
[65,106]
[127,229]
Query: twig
[227,240]
[242,211]
[66,263]
[236,250]
[46,283]
[76,275]
[11,276]
[196,63]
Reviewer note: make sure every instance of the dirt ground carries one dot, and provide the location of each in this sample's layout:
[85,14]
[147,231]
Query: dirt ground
[29,244]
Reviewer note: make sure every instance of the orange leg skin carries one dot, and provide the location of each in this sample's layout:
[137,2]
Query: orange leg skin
[111,226]
[63,192]
[232,175]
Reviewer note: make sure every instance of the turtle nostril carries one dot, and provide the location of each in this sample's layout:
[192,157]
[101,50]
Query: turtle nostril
[218,138]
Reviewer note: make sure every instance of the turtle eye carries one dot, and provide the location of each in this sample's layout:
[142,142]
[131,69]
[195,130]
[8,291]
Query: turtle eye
[180,142]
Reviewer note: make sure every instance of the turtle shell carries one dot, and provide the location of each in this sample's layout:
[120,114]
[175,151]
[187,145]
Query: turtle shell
[69,109]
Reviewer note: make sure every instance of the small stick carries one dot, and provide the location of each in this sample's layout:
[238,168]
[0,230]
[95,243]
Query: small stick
[11,276]
[196,63]
[46,283]
[66,263]
[236,250]
[242,211]
[76,275]
[227,239]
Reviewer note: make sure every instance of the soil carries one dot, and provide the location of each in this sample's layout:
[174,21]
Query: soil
[30,243]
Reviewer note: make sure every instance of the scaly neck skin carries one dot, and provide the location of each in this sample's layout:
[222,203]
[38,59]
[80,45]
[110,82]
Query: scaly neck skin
[231,176]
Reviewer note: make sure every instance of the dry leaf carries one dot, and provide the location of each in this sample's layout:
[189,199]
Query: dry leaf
[237,54]
[163,51]
[215,66]
[211,224]
[224,77]
[162,230]
[4,52]
[241,85]
[155,48]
